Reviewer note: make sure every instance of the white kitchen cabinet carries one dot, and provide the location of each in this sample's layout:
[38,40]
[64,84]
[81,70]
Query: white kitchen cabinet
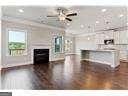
[120,37]
[109,35]
[116,36]
[120,40]
[123,37]
[97,39]
[100,38]
[123,54]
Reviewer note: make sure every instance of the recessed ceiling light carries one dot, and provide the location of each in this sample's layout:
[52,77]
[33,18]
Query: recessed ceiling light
[21,10]
[82,26]
[97,22]
[88,38]
[121,15]
[68,24]
[127,23]
[104,10]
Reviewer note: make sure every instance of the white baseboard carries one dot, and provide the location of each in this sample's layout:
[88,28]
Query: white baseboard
[56,59]
[101,62]
[106,63]
[26,63]
[16,64]
[69,53]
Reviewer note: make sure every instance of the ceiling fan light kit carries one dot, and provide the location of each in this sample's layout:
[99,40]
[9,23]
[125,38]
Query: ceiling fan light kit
[63,15]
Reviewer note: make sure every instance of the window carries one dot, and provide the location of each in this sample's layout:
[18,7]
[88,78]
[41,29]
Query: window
[16,42]
[68,45]
[58,44]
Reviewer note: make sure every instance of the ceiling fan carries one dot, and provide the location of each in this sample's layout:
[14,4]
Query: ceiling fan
[62,15]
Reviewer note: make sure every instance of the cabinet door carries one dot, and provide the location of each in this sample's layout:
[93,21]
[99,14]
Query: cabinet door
[116,36]
[109,35]
[123,36]
[101,38]
[97,39]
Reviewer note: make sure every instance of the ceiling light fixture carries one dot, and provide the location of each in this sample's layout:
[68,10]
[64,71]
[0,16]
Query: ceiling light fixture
[104,10]
[127,23]
[97,22]
[88,38]
[82,26]
[121,15]
[21,10]
[61,18]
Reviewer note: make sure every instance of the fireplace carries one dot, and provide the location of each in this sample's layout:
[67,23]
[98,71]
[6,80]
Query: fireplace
[5,93]
[41,56]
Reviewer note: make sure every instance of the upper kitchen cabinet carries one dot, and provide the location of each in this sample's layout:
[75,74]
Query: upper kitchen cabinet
[99,38]
[104,36]
[120,37]
[116,36]
[123,37]
[109,35]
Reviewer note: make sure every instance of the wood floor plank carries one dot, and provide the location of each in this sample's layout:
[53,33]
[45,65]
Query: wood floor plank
[63,75]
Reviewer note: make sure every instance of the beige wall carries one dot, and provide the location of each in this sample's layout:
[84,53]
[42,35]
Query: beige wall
[34,35]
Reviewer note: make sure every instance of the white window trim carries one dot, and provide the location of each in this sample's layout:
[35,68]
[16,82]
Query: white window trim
[7,40]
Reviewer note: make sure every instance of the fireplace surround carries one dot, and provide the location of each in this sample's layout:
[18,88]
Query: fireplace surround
[40,46]
[41,56]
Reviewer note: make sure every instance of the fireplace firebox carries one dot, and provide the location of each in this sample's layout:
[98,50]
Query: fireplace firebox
[41,56]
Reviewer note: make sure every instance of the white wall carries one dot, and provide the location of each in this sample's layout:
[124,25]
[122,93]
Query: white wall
[85,42]
[0,46]
[0,36]
[71,37]
[34,35]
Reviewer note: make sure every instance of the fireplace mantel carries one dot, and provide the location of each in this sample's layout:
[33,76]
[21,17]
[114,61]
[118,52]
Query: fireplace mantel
[41,44]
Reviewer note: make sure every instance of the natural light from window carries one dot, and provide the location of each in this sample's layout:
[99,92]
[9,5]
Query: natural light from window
[58,44]
[17,43]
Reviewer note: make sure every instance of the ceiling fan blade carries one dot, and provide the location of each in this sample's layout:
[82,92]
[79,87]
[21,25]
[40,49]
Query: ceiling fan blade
[104,30]
[68,19]
[72,14]
[52,16]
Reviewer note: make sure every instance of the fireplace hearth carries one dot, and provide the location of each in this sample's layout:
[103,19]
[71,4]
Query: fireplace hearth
[41,56]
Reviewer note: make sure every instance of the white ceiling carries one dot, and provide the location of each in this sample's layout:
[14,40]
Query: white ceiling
[87,16]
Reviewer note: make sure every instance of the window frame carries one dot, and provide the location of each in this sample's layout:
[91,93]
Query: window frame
[7,43]
[66,44]
[60,45]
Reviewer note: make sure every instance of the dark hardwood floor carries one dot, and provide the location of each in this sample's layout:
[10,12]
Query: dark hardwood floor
[69,74]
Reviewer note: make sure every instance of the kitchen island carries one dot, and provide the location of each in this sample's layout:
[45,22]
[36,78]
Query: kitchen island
[109,57]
